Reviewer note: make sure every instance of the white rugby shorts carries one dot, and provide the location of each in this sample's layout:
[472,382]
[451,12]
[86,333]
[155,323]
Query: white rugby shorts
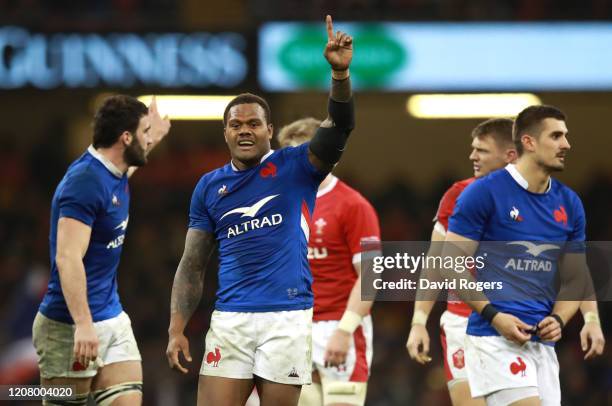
[495,363]
[54,343]
[452,337]
[276,346]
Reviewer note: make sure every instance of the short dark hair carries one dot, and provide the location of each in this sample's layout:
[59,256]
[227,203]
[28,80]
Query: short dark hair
[528,121]
[117,114]
[500,129]
[248,98]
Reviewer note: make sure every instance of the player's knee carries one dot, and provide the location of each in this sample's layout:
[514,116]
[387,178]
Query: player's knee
[344,393]
[78,400]
[311,395]
[106,396]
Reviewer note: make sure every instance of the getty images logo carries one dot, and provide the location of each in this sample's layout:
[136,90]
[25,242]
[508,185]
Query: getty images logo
[254,223]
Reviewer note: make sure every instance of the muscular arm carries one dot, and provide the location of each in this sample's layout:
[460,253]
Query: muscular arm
[72,242]
[575,278]
[189,278]
[456,245]
[330,138]
[509,326]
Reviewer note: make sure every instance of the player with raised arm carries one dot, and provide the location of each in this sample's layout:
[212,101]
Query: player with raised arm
[257,210]
[344,225]
[492,149]
[81,333]
[536,220]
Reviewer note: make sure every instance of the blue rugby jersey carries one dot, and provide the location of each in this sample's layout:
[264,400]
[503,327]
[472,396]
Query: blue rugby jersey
[530,230]
[94,192]
[261,219]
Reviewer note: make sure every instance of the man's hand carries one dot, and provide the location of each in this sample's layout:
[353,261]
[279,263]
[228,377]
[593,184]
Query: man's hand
[339,48]
[549,329]
[159,126]
[337,348]
[512,328]
[418,344]
[85,343]
[177,342]
[592,340]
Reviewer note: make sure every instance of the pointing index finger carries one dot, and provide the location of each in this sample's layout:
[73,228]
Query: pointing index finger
[330,28]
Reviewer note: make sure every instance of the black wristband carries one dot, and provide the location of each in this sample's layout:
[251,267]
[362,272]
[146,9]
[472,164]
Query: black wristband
[559,319]
[488,312]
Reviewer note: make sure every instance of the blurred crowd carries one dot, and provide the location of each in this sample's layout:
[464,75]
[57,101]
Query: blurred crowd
[158,220]
[168,14]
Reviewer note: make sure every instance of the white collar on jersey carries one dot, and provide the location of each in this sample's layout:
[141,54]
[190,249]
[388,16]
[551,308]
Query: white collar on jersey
[516,175]
[332,184]
[107,164]
[263,158]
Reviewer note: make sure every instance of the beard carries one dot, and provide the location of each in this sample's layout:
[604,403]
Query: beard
[134,154]
[551,168]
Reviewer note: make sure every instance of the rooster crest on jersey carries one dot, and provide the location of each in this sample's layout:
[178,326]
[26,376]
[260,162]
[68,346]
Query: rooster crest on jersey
[255,223]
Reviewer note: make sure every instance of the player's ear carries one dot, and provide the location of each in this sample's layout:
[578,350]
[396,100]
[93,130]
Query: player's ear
[511,155]
[270,131]
[528,142]
[126,137]
[225,133]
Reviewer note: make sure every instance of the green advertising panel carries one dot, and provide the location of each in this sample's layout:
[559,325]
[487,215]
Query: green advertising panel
[442,56]
[377,58]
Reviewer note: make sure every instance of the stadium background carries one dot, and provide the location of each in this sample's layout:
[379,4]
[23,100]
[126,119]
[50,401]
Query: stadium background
[402,164]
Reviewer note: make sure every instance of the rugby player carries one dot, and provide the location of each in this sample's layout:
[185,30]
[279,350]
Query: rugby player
[509,348]
[492,149]
[81,334]
[257,209]
[344,224]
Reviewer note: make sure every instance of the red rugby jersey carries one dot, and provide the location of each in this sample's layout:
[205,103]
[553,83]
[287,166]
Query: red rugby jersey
[341,221]
[445,210]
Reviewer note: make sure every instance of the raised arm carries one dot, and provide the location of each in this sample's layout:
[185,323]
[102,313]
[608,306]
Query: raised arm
[329,141]
[187,292]
[72,242]
[160,127]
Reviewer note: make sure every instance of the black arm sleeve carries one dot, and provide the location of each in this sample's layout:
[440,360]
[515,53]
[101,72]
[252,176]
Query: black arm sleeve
[328,143]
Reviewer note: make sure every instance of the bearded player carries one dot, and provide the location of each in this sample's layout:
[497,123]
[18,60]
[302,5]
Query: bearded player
[344,224]
[81,334]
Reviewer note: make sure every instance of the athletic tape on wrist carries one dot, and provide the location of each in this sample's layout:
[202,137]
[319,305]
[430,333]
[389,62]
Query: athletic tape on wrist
[591,317]
[340,74]
[349,321]
[419,317]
